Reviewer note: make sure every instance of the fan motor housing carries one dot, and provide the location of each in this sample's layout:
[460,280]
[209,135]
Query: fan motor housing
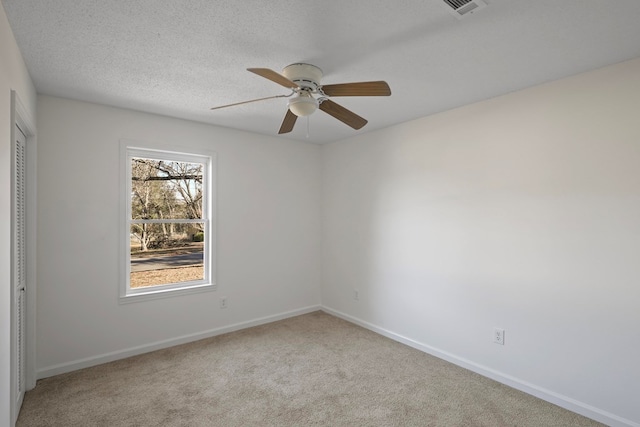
[307,76]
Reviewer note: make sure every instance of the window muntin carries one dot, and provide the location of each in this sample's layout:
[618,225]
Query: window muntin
[167,232]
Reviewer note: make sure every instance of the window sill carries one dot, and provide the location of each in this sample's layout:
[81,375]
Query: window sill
[152,294]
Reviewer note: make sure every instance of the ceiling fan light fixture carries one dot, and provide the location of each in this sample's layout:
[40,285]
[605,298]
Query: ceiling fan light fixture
[302,105]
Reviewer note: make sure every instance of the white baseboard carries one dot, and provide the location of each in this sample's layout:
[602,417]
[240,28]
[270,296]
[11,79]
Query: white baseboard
[544,394]
[62,368]
[526,387]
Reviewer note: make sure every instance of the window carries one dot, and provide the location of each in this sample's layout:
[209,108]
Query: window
[167,230]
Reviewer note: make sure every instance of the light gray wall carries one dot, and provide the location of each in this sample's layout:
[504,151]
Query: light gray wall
[13,76]
[521,212]
[268,232]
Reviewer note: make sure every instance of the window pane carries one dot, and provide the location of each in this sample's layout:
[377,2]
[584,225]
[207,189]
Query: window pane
[162,189]
[166,253]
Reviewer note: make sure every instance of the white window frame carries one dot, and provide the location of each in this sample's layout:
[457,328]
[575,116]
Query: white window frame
[136,149]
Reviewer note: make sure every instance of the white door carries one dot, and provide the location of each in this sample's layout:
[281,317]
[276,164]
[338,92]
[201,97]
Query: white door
[19,270]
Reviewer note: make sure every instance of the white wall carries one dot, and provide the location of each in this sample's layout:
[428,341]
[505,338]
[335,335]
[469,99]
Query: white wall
[268,228]
[13,76]
[521,212]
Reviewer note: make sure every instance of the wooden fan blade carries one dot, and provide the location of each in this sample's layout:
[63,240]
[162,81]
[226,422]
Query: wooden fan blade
[247,102]
[379,88]
[274,77]
[345,116]
[288,122]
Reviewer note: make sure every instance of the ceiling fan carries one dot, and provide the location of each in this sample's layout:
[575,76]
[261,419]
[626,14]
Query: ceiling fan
[304,82]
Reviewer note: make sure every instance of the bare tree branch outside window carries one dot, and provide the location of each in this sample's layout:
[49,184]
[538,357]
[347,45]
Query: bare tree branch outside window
[166,224]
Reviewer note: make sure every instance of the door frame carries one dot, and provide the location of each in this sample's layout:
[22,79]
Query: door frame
[21,117]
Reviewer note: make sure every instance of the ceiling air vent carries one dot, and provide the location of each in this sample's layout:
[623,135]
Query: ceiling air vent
[465,7]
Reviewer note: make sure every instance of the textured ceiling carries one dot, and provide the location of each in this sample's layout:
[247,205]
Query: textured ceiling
[179,58]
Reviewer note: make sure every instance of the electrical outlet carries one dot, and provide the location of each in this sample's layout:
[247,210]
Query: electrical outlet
[498,336]
[356,295]
[223,302]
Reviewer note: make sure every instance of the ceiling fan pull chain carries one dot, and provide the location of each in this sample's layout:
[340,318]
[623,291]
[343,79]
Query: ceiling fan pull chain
[308,127]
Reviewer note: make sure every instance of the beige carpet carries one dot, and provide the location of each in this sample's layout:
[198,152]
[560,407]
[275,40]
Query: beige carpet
[311,370]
